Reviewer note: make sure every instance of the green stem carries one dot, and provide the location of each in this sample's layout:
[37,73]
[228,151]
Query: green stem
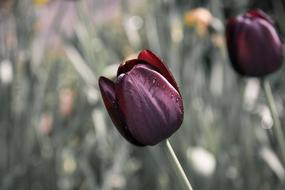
[277,129]
[178,166]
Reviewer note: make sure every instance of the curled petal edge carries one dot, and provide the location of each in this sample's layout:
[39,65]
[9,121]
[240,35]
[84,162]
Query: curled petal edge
[107,88]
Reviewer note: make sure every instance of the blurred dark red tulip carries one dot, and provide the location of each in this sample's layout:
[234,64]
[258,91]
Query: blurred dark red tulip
[254,46]
[144,102]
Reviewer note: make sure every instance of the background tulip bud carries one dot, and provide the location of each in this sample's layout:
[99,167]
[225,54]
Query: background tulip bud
[254,46]
[144,102]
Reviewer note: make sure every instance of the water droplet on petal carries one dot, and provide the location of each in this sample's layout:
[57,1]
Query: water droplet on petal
[153,80]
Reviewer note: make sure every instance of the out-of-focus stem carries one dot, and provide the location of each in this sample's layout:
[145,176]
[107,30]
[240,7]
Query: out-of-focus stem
[178,166]
[277,130]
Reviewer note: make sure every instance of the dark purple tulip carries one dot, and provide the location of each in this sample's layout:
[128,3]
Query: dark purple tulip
[254,46]
[144,101]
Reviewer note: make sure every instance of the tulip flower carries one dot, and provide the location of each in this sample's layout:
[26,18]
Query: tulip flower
[144,101]
[254,47]
[255,50]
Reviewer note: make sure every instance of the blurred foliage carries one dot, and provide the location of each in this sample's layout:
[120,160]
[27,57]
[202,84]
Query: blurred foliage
[56,134]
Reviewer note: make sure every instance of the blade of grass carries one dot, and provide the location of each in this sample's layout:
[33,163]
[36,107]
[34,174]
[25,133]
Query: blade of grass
[277,129]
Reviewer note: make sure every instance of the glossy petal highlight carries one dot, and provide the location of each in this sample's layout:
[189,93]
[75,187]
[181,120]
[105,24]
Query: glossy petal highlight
[154,61]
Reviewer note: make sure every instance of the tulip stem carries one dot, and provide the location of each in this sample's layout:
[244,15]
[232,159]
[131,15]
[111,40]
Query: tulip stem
[277,129]
[178,166]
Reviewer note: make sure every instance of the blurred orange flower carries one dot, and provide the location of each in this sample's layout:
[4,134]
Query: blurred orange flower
[200,18]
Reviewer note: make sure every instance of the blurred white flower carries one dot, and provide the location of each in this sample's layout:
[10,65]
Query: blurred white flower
[6,72]
[251,93]
[266,118]
[202,161]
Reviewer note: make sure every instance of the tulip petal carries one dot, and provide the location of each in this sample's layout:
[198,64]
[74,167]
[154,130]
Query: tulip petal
[260,14]
[128,65]
[258,59]
[154,61]
[107,88]
[153,107]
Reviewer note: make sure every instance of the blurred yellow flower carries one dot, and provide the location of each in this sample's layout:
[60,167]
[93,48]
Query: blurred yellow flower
[200,18]
[40,2]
